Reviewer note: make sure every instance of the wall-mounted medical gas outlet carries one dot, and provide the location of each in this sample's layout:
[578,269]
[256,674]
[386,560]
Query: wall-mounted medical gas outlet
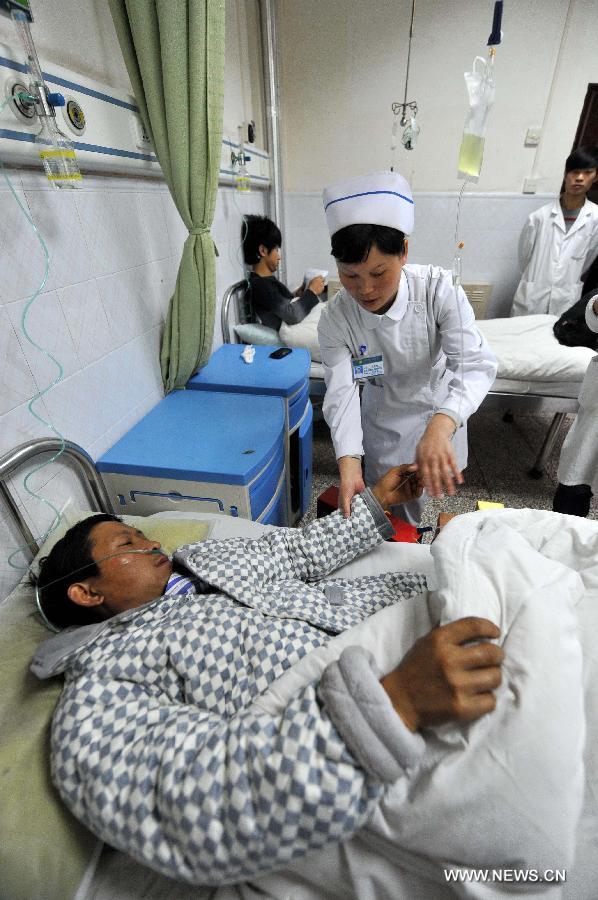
[22,109]
[256,165]
[73,116]
[248,131]
[99,120]
[114,137]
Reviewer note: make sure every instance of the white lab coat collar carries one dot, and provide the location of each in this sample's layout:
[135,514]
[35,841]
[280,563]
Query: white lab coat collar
[396,312]
[556,214]
[559,219]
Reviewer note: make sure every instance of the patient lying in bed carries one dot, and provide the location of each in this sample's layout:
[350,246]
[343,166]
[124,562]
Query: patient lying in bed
[220,732]
[154,746]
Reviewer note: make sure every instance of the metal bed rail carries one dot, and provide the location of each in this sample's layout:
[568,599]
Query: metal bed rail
[82,463]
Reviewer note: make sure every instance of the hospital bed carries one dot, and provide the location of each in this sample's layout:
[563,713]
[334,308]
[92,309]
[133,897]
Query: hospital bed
[536,374]
[45,853]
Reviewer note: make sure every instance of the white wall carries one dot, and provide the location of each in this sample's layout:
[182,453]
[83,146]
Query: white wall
[76,34]
[243,95]
[115,246]
[343,63]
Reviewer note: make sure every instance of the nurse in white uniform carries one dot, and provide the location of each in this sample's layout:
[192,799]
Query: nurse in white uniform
[407,336]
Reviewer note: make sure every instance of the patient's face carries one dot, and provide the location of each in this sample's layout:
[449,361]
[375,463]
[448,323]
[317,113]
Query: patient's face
[127,580]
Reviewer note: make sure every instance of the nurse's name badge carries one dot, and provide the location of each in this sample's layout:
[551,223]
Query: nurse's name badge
[367,367]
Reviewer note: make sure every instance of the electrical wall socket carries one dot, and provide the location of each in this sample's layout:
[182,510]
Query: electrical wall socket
[530,186]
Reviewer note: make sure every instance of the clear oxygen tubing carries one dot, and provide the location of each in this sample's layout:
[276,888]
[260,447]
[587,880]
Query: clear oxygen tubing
[40,394]
[155,551]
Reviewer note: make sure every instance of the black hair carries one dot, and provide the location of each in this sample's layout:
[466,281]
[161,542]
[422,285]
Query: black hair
[353,243]
[69,561]
[582,158]
[255,231]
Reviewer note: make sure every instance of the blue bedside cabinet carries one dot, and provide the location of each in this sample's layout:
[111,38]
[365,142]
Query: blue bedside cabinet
[203,451]
[287,378]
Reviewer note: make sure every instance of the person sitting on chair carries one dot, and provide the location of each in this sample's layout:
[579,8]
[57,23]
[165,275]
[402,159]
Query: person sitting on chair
[272,301]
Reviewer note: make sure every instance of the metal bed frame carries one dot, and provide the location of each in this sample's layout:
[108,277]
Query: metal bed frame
[80,461]
[236,310]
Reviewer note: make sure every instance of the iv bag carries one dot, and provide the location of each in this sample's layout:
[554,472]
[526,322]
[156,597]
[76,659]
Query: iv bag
[480,87]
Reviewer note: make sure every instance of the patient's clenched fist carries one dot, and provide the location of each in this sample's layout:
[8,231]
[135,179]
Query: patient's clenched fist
[445,676]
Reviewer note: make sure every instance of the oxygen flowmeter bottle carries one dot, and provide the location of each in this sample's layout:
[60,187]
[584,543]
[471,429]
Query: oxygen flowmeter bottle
[57,154]
[242,182]
[56,151]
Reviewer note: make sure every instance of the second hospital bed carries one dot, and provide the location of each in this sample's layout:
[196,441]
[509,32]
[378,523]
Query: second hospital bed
[536,374]
[47,854]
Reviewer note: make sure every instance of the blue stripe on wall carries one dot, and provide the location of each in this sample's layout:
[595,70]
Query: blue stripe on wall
[248,148]
[96,148]
[79,145]
[72,85]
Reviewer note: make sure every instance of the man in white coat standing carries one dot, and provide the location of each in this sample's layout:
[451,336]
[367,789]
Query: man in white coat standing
[578,464]
[559,242]
[404,333]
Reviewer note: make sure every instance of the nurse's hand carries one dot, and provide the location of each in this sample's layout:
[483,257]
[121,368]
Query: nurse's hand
[400,484]
[435,456]
[351,482]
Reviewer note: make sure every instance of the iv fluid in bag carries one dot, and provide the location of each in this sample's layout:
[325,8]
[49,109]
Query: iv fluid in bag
[471,155]
[480,87]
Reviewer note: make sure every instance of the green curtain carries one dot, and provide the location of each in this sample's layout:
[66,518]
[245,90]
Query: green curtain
[174,53]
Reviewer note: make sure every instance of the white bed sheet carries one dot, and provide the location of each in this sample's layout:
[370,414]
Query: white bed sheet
[527,350]
[525,346]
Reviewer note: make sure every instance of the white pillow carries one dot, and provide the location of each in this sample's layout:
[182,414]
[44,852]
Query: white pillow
[305,334]
[254,333]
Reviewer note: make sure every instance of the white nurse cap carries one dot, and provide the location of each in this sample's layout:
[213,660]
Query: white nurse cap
[383,198]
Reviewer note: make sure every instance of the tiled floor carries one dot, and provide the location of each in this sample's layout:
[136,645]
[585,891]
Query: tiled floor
[500,455]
